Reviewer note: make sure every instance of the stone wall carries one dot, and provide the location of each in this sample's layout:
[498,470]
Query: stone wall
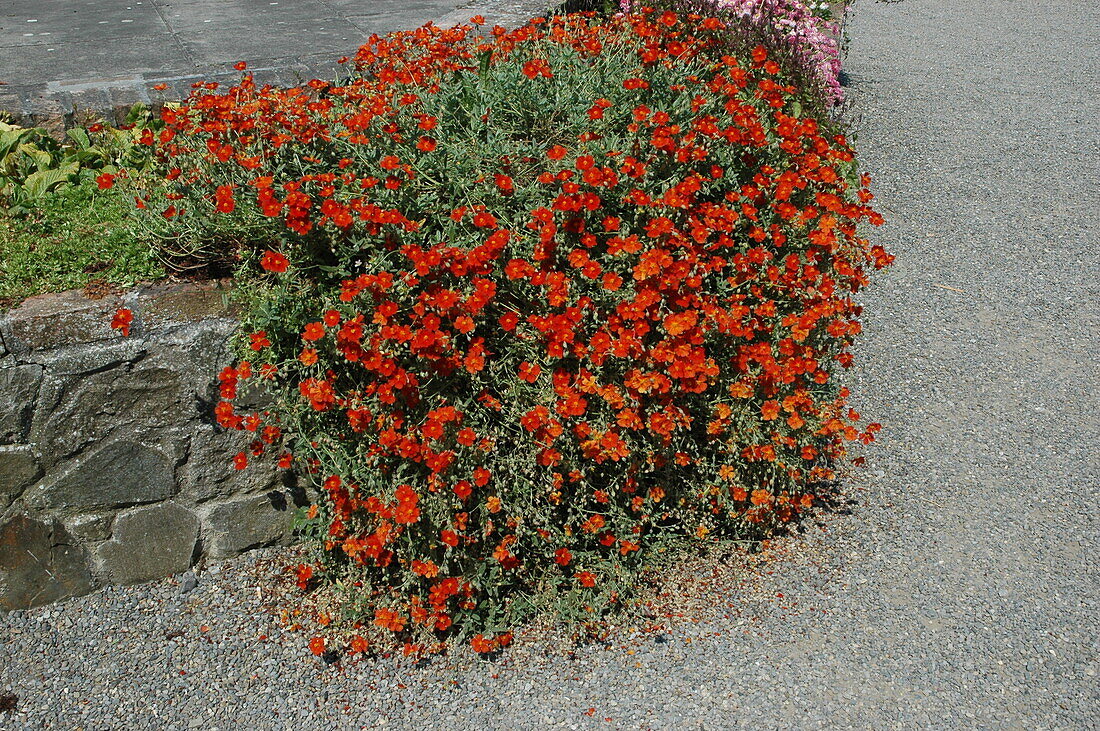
[112,470]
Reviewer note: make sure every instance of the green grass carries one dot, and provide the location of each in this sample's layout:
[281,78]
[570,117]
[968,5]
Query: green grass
[78,234]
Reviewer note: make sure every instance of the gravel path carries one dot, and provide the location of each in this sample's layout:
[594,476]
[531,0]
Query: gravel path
[963,589]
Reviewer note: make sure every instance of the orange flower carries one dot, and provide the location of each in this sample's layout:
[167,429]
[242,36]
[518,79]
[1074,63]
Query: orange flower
[529,372]
[484,219]
[770,410]
[308,356]
[317,645]
[407,511]
[426,569]
[273,261]
[223,197]
[259,341]
[680,322]
[537,67]
[122,320]
[313,331]
[389,619]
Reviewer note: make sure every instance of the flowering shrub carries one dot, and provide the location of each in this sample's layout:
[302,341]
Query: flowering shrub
[801,36]
[544,302]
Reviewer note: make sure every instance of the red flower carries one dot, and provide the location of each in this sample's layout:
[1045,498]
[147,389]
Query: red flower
[317,646]
[528,372]
[407,511]
[562,556]
[223,197]
[105,181]
[303,573]
[425,144]
[313,331]
[259,341]
[586,579]
[273,261]
[537,67]
[484,219]
[556,152]
[122,320]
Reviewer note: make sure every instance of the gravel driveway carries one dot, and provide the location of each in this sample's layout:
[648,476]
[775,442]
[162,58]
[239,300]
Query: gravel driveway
[962,590]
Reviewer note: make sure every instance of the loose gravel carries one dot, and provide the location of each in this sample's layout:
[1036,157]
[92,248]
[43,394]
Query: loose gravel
[962,590]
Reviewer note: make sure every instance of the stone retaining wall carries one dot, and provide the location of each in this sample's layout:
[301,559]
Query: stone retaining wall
[112,470]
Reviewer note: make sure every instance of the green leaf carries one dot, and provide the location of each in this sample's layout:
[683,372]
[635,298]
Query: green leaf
[11,139]
[39,183]
[80,137]
[138,113]
[42,159]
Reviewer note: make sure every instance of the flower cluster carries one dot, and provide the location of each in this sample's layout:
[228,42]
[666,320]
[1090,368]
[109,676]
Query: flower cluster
[544,301]
[815,43]
[802,35]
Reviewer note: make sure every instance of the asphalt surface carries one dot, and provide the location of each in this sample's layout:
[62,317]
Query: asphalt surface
[960,590]
[88,41]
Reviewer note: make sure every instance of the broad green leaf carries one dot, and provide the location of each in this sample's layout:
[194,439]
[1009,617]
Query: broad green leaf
[42,159]
[39,183]
[80,137]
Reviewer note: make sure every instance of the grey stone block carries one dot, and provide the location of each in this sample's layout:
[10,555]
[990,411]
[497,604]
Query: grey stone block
[248,522]
[55,320]
[209,472]
[166,303]
[91,527]
[39,564]
[18,470]
[82,359]
[149,543]
[120,474]
[19,385]
[79,411]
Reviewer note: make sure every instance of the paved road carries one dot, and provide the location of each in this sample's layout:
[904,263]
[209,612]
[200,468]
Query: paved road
[60,59]
[82,40]
[962,591]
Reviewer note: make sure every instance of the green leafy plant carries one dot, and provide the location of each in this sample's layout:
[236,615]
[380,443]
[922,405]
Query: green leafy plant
[33,164]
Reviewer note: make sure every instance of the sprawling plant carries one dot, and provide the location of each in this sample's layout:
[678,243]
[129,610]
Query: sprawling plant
[545,301]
